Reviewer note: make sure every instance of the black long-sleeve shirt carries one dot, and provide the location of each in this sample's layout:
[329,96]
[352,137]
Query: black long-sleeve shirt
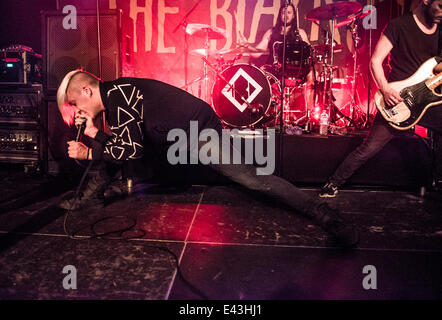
[141,112]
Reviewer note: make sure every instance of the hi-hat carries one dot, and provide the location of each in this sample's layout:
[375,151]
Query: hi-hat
[205,31]
[334,10]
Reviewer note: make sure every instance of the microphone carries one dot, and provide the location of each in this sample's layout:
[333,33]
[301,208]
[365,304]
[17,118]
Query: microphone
[80,130]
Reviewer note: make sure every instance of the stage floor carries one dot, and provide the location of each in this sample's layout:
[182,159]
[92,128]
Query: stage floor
[229,244]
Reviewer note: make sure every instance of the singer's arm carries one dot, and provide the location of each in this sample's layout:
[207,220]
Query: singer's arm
[123,142]
[113,148]
[122,138]
[76,149]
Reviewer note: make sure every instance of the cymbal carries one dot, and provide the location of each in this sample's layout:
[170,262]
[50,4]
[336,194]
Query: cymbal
[244,50]
[205,31]
[323,48]
[334,10]
[346,22]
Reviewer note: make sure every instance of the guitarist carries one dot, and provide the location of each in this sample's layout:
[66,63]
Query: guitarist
[410,40]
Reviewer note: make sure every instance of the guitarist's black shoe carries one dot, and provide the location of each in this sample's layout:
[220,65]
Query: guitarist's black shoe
[344,234]
[329,190]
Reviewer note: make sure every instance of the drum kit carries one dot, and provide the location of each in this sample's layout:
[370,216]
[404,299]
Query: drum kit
[245,96]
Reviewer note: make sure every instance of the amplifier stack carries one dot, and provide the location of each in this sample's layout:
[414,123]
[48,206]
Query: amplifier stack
[22,113]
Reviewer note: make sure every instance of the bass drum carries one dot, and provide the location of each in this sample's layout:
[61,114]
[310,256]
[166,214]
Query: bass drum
[242,96]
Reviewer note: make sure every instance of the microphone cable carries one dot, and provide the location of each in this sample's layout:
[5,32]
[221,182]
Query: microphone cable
[121,231]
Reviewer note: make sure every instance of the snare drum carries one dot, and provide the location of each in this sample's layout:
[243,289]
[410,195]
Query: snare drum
[245,99]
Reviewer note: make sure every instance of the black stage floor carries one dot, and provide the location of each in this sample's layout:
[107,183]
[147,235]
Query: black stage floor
[229,245]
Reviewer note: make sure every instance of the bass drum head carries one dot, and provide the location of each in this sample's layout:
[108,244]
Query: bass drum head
[244,81]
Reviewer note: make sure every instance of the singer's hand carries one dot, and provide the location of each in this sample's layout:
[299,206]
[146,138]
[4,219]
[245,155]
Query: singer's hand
[90,130]
[77,150]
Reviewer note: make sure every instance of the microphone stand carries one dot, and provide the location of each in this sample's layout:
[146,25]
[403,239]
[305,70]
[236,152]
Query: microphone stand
[183,23]
[281,116]
[100,68]
[367,120]
[284,42]
[353,27]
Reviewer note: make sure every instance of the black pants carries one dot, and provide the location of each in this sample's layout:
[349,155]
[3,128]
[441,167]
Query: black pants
[246,176]
[268,185]
[380,134]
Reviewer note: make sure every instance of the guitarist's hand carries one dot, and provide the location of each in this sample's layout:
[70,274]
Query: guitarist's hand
[391,96]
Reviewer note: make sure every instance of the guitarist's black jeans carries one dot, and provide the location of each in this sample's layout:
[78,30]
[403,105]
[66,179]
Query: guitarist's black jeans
[380,134]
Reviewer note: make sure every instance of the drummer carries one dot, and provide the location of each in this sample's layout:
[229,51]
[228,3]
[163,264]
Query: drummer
[277,33]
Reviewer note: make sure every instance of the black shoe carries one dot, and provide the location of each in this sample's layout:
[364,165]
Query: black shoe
[329,190]
[81,203]
[91,196]
[343,233]
[116,189]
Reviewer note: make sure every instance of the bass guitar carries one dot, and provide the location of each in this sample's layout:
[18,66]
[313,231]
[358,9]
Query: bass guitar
[418,93]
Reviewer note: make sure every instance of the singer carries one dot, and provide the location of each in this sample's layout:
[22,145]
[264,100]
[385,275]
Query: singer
[139,114]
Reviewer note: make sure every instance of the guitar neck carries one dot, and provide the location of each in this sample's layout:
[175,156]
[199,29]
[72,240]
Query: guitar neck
[434,82]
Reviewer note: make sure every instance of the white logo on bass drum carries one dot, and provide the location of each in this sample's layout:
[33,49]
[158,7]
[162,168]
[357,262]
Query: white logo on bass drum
[229,93]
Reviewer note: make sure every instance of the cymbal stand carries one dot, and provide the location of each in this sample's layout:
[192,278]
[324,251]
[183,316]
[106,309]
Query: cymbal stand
[284,42]
[285,91]
[328,83]
[203,93]
[356,39]
[205,70]
[183,23]
[329,68]
[308,123]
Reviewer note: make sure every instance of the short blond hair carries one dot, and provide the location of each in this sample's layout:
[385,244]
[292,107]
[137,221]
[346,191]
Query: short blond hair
[62,100]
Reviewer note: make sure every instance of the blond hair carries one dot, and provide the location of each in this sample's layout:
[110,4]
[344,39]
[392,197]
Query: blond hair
[62,100]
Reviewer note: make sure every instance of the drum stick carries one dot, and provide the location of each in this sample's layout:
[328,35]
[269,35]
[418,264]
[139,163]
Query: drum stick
[297,17]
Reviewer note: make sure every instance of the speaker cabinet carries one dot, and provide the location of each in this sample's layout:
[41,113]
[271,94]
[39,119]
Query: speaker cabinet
[106,40]
[22,126]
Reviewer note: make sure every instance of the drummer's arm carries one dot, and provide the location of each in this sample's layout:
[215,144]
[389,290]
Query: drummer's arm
[263,44]
[304,36]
